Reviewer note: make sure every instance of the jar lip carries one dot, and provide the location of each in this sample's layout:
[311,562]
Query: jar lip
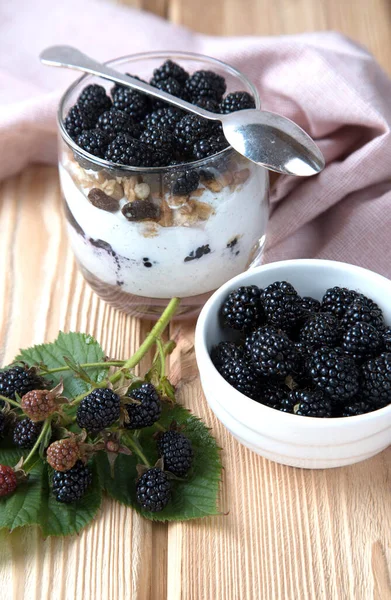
[105,164]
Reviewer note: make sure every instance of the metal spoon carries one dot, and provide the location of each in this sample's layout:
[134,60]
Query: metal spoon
[266,138]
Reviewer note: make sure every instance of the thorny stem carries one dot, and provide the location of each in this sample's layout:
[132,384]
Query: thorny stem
[133,443]
[108,364]
[26,465]
[12,402]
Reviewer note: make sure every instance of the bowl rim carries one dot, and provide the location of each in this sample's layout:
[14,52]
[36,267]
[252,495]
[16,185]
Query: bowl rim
[164,54]
[204,360]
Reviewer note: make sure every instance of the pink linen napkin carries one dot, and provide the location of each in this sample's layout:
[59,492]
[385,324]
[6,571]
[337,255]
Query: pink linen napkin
[329,85]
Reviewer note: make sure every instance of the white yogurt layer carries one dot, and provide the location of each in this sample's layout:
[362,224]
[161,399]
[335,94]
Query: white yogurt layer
[240,214]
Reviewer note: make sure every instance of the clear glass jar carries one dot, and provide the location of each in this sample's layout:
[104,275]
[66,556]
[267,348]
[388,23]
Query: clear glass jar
[185,246]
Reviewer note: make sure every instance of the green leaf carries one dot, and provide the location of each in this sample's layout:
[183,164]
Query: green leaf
[194,497]
[80,348]
[34,504]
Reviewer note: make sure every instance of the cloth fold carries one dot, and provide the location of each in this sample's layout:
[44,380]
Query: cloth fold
[328,84]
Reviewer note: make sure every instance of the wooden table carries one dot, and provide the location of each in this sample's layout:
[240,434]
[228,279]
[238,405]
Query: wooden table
[289,533]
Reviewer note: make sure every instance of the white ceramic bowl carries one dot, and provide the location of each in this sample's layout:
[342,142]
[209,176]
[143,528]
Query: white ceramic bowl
[285,438]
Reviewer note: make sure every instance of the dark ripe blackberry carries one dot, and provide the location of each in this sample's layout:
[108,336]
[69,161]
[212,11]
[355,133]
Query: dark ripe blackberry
[281,304]
[95,142]
[189,130]
[213,145]
[276,396]
[98,410]
[225,350]
[310,403]
[335,373]
[182,183]
[239,373]
[159,140]
[163,118]
[356,407]
[305,353]
[26,433]
[364,310]
[177,453]
[170,69]
[337,300]
[94,99]
[206,83]
[310,305]
[236,101]
[131,102]
[114,121]
[208,103]
[321,329]
[148,411]
[361,341]
[70,486]
[386,339]
[376,380]
[125,150]
[242,310]
[153,490]
[272,353]
[20,380]
[78,120]
[171,86]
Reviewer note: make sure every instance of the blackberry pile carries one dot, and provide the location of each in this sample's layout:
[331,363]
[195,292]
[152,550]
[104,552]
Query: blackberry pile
[328,358]
[131,128]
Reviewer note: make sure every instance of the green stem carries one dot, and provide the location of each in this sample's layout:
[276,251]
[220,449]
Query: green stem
[155,333]
[12,402]
[26,465]
[160,427]
[162,356]
[134,445]
[108,364]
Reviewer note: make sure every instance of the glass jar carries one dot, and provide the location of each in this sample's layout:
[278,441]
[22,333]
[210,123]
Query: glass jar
[139,242]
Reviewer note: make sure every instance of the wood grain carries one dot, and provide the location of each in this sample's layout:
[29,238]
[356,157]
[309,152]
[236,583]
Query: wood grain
[283,533]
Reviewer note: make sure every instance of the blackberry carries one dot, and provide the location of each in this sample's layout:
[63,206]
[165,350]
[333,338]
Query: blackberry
[20,380]
[98,410]
[356,407]
[206,83]
[239,373]
[177,453]
[361,341]
[130,101]
[225,350]
[242,310]
[236,101]
[148,411]
[277,397]
[281,304]
[95,142]
[170,69]
[153,490]
[337,300]
[8,481]
[305,353]
[163,118]
[94,99]
[78,120]
[169,85]
[189,130]
[126,150]
[26,433]
[334,373]
[376,380]
[114,121]
[310,305]
[387,339]
[62,455]
[204,148]
[207,103]
[160,141]
[38,404]
[182,183]
[363,310]
[321,329]
[70,486]
[272,353]
[310,404]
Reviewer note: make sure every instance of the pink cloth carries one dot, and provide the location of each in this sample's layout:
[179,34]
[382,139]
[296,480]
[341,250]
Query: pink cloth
[326,83]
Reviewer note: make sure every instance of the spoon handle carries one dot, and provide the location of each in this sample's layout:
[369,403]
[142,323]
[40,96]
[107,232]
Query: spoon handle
[67,56]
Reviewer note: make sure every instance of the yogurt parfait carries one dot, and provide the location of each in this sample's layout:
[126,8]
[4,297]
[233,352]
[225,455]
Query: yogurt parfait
[157,204]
